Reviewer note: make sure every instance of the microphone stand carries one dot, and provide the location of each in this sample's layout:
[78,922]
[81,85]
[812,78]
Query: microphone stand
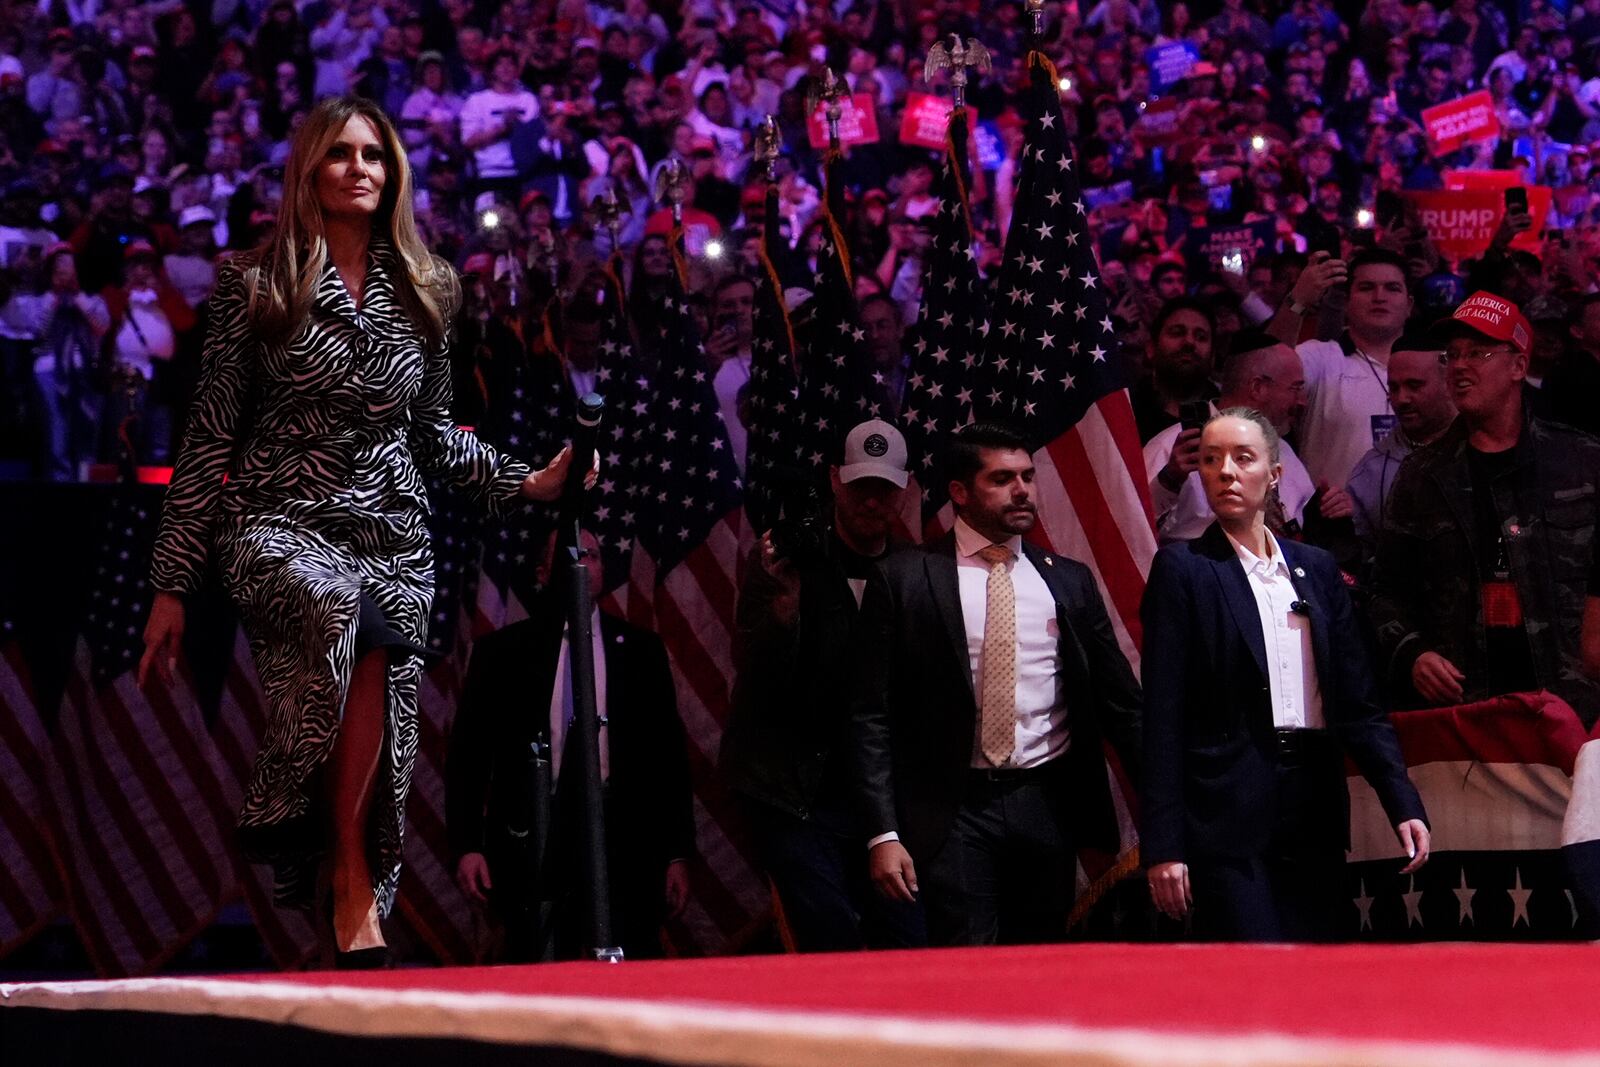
[585,731]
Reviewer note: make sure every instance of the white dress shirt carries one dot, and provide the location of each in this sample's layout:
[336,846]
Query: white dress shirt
[583,381]
[1041,731]
[561,703]
[1291,664]
[729,379]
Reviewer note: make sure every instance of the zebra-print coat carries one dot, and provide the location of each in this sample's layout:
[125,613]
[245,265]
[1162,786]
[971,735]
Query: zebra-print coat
[302,471]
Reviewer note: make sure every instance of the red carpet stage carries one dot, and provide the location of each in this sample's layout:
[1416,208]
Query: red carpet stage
[1103,1004]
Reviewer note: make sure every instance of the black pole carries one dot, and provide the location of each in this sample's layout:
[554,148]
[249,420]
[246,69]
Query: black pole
[586,731]
[585,715]
[569,511]
[540,907]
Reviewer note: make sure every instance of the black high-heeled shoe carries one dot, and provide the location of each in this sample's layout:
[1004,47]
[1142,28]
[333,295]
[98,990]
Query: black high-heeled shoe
[362,959]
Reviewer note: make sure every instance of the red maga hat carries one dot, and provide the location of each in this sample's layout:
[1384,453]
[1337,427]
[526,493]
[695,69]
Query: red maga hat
[1487,315]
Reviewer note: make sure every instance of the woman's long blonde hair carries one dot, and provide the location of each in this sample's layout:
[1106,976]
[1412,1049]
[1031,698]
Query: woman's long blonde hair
[282,275]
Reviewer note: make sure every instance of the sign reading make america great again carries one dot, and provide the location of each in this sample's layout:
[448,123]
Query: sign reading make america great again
[858,122]
[925,119]
[1465,121]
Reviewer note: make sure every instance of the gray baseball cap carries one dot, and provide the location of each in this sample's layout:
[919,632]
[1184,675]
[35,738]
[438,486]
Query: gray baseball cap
[874,449]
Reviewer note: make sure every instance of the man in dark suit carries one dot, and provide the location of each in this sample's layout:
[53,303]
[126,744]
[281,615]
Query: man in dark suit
[989,675]
[515,712]
[1257,684]
[786,751]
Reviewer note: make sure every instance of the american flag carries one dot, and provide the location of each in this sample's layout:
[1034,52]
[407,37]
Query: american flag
[836,384]
[623,381]
[144,825]
[1504,782]
[289,936]
[529,414]
[429,900]
[947,342]
[1050,360]
[776,427]
[30,888]
[694,536]
[1049,367]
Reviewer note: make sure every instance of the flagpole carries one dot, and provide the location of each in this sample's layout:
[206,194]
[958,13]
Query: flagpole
[768,145]
[1035,10]
[773,360]
[829,94]
[586,719]
[958,57]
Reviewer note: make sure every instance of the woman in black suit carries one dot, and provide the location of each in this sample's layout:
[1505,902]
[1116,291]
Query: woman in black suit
[1256,685]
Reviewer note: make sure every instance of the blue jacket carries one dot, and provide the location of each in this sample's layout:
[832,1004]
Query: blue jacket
[1210,778]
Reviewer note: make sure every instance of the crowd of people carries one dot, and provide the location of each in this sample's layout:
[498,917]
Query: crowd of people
[141,144]
[141,141]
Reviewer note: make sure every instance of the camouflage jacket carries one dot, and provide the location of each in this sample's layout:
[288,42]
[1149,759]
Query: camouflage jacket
[1426,595]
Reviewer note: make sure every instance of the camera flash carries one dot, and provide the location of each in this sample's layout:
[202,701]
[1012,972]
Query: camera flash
[713,249]
[489,220]
[1363,217]
[1258,143]
[1066,85]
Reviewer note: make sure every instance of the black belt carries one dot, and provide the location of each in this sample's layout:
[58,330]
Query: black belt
[1008,774]
[1301,743]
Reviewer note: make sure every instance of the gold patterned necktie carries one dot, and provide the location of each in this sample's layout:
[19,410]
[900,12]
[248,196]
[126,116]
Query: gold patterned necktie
[998,728]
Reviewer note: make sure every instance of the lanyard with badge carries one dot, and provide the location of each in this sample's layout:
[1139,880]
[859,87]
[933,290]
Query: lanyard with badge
[1382,425]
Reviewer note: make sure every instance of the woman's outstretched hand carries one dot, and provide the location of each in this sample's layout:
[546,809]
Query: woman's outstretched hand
[163,636]
[546,484]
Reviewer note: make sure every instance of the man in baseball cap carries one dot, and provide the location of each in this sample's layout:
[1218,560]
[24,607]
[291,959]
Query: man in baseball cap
[786,752]
[1486,342]
[1484,316]
[874,449]
[1484,570]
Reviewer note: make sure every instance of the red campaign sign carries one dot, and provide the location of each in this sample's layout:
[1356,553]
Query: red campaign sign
[926,119]
[1462,222]
[858,122]
[1572,200]
[1482,179]
[1161,122]
[1461,122]
[1532,240]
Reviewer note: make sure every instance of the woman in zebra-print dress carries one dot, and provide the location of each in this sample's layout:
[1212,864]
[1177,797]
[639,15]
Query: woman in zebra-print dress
[324,396]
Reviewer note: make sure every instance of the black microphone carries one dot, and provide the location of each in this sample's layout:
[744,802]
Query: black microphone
[585,435]
[1300,607]
[586,431]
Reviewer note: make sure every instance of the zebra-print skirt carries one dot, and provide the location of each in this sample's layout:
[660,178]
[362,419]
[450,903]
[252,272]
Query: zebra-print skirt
[299,593]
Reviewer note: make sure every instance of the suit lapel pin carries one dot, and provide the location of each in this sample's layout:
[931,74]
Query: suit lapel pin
[1049,561]
[1299,572]
[617,639]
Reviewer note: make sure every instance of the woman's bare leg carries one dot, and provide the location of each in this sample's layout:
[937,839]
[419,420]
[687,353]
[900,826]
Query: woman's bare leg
[351,772]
